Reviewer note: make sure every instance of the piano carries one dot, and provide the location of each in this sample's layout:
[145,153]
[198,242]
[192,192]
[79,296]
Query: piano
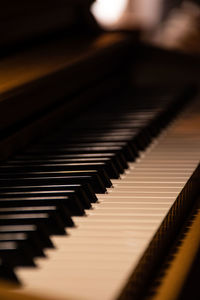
[99,170]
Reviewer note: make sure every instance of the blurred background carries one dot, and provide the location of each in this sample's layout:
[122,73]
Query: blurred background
[169,35]
[172,24]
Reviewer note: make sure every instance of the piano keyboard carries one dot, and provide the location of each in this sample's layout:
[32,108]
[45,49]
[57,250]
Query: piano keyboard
[113,230]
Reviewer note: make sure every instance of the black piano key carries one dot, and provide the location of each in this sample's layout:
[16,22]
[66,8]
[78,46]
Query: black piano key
[60,212]
[84,191]
[77,197]
[50,221]
[110,157]
[81,196]
[7,273]
[135,138]
[92,137]
[71,204]
[124,120]
[110,126]
[62,164]
[87,150]
[29,235]
[99,139]
[16,254]
[23,239]
[106,122]
[91,178]
[100,167]
[98,178]
[136,120]
[37,233]
[87,147]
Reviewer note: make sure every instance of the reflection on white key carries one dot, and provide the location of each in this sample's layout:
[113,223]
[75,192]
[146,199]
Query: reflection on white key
[95,259]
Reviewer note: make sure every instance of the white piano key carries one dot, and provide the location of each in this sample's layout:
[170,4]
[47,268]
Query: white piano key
[127,197]
[114,225]
[126,192]
[141,183]
[145,188]
[117,222]
[132,205]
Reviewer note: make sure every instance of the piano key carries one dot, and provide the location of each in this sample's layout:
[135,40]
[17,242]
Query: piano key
[72,206]
[109,164]
[87,157]
[97,135]
[146,189]
[45,192]
[7,273]
[133,140]
[140,184]
[178,169]
[83,191]
[23,239]
[14,254]
[60,212]
[49,221]
[137,198]
[109,122]
[100,176]
[74,195]
[101,167]
[124,147]
[157,177]
[84,150]
[37,232]
[54,178]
